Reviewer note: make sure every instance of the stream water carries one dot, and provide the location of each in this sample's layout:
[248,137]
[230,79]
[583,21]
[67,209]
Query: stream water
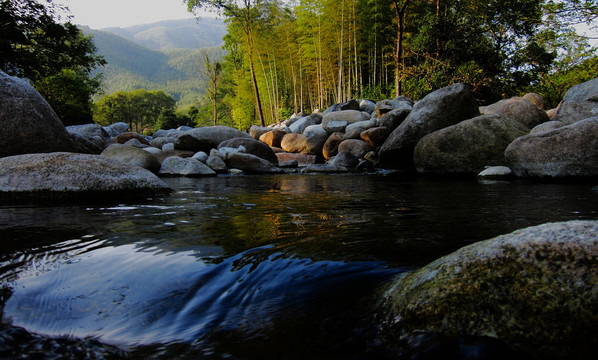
[252,267]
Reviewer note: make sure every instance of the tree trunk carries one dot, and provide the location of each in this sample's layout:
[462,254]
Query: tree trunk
[400,11]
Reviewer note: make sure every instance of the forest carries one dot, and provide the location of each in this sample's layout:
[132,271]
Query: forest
[285,57]
[291,57]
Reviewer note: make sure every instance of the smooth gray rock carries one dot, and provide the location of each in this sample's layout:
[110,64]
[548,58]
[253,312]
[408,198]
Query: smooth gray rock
[93,133]
[252,146]
[497,173]
[569,151]
[116,129]
[348,116]
[535,289]
[344,159]
[132,156]
[79,177]
[580,102]
[28,123]
[178,166]
[547,126]
[206,138]
[315,138]
[357,147]
[519,109]
[251,164]
[467,147]
[439,109]
[298,127]
[217,164]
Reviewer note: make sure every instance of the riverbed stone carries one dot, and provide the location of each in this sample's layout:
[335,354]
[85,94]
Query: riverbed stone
[251,164]
[315,138]
[535,99]
[580,102]
[206,138]
[375,136]
[357,147]
[347,116]
[255,131]
[272,138]
[392,119]
[367,106]
[217,164]
[298,127]
[535,289]
[252,146]
[519,109]
[497,173]
[547,126]
[28,123]
[294,143]
[178,166]
[569,151]
[344,159]
[126,136]
[116,129]
[301,159]
[467,147]
[93,133]
[439,109]
[330,148]
[74,177]
[133,156]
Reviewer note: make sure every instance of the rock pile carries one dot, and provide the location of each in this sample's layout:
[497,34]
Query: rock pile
[444,133]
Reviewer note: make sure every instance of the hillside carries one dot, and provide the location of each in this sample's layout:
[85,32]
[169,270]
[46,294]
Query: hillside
[175,34]
[132,66]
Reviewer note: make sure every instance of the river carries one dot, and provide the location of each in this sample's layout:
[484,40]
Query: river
[250,267]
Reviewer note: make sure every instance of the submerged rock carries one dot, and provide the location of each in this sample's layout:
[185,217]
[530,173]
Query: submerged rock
[71,176]
[535,289]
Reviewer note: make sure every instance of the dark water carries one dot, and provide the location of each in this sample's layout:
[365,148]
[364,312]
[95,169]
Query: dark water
[254,267]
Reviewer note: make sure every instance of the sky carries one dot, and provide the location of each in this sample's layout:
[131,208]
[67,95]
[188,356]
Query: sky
[99,14]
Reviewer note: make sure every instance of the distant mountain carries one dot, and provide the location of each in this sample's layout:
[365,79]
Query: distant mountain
[174,69]
[175,34]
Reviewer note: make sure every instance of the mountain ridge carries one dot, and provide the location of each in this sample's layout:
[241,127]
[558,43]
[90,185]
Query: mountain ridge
[131,65]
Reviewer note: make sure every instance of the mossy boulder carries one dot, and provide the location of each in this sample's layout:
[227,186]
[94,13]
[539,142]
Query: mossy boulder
[535,289]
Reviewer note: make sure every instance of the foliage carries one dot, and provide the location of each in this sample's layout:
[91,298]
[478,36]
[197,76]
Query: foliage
[141,109]
[34,45]
[169,119]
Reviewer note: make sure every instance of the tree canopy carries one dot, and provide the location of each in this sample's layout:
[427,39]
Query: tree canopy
[55,57]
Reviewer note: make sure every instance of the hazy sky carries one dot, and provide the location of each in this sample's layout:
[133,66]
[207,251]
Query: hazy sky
[99,14]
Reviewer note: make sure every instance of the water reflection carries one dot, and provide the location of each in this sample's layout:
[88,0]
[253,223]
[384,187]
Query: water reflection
[232,265]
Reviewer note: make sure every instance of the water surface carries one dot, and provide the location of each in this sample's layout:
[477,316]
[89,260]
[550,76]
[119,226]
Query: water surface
[245,267]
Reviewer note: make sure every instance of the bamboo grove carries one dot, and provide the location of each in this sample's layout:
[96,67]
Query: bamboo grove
[291,57]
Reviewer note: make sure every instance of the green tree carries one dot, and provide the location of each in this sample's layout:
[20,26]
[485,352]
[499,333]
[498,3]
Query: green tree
[34,45]
[244,13]
[139,108]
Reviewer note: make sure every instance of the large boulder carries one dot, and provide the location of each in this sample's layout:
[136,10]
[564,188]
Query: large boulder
[535,289]
[190,167]
[519,109]
[252,146]
[392,119]
[69,176]
[299,126]
[439,109]
[467,147]
[569,151]
[375,136]
[133,156]
[580,102]
[251,164]
[28,123]
[206,138]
